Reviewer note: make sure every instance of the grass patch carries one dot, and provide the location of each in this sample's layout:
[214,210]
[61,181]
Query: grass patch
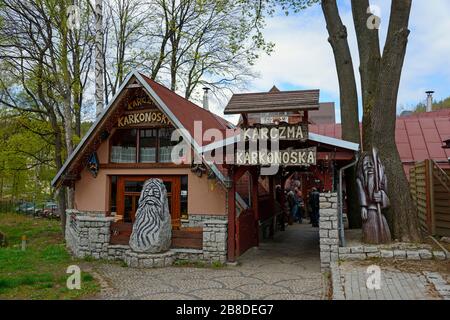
[198,264]
[39,272]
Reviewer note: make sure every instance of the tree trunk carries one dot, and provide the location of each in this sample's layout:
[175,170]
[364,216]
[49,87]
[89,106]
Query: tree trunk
[99,62]
[348,98]
[402,214]
[348,93]
[59,163]
[369,56]
[62,208]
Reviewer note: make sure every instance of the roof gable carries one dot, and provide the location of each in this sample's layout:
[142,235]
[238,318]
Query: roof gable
[181,112]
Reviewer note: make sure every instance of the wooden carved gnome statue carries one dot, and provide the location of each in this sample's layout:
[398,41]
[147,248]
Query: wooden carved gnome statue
[152,229]
[372,188]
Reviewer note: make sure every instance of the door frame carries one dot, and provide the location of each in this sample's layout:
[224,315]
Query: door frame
[175,194]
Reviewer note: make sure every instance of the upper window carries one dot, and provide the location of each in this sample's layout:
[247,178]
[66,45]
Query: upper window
[148,145]
[142,145]
[123,146]
[165,144]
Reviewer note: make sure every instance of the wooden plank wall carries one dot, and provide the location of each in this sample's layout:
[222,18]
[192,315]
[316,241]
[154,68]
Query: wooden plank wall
[441,205]
[418,185]
[432,198]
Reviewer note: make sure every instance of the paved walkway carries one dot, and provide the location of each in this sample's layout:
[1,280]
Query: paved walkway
[394,284]
[285,268]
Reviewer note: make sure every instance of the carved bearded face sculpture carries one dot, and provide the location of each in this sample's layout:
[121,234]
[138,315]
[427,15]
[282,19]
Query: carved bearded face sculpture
[152,227]
[369,173]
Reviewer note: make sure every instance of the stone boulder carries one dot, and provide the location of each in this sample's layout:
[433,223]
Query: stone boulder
[152,228]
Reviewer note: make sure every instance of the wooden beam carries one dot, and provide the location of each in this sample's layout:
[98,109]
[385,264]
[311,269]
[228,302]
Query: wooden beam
[232,218]
[272,205]
[255,197]
[340,155]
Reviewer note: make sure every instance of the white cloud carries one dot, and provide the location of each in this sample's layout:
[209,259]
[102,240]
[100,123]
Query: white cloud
[303,57]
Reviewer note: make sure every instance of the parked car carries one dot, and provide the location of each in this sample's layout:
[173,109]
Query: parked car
[26,207]
[51,210]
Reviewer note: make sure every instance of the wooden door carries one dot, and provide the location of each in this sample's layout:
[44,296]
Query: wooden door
[247,231]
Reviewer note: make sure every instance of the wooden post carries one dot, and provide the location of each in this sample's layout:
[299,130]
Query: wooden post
[429,182]
[232,218]
[255,202]
[283,202]
[430,196]
[272,206]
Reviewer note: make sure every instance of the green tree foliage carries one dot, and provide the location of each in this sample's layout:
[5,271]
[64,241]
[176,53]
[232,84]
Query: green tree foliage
[26,162]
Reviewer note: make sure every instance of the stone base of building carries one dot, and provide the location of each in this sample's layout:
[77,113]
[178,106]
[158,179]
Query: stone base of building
[88,235]
[149,260]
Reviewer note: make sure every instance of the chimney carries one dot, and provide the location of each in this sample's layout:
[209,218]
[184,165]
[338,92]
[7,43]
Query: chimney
[205,98]
[429,101]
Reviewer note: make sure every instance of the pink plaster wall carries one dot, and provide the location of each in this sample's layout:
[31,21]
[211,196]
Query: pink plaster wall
[92,194]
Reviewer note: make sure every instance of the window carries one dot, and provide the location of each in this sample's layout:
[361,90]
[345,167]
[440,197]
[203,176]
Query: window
[165,144]
[148,145]
[154,145]
[123,146]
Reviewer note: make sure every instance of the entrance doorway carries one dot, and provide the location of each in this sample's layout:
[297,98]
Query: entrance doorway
[129,190]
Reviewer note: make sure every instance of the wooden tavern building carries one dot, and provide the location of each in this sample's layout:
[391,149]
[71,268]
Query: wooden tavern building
[130,142]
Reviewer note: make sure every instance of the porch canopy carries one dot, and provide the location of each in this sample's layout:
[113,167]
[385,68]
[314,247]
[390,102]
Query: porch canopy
[263,112]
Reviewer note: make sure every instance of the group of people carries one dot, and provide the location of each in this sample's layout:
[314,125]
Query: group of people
[296,203]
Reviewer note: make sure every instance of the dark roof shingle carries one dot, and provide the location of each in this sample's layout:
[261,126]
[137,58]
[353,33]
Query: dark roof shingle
[273,101]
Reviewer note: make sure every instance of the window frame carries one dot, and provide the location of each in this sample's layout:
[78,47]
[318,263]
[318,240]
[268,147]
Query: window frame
[138,151]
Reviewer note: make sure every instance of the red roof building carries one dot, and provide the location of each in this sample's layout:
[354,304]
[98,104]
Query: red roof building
[419,137]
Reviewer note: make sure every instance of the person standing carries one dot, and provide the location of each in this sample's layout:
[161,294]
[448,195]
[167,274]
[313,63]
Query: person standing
[293,204]
[314,202]
[301,205]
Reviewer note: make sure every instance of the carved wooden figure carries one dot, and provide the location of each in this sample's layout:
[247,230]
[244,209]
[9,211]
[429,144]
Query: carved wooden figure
[372,189]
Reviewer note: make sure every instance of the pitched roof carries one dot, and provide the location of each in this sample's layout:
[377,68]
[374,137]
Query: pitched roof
[180,111]
[187,112]
[418,136]
[273,101]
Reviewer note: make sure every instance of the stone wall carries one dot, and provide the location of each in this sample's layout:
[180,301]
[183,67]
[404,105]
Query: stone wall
[364,252]
[328,230]
[215,240]
[88,235]
[196,220]
[330,252]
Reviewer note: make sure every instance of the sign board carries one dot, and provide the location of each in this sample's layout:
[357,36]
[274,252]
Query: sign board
[147,117]
[296,132]
[294,157]
[274,119]
[143,102]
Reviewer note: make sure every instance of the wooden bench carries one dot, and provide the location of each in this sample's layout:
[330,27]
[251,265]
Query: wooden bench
[187,238]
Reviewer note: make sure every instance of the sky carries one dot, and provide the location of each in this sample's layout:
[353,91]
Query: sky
[303,58]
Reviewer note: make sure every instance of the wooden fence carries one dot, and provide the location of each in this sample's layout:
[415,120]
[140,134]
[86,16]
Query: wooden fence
[430,188]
